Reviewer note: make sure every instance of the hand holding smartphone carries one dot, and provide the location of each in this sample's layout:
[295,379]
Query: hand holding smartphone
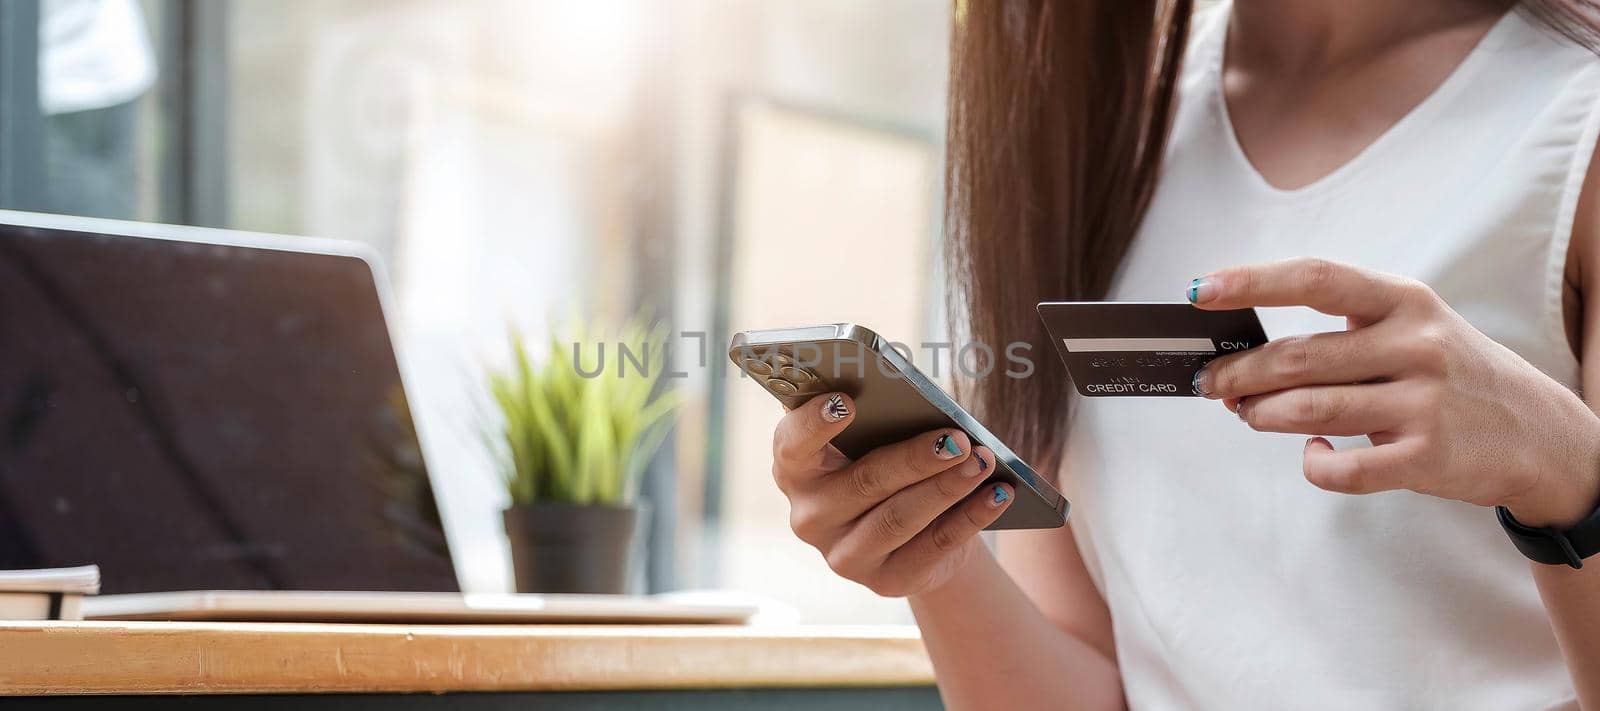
[894,403]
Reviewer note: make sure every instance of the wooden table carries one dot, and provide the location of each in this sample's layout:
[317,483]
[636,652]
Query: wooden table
[177,665]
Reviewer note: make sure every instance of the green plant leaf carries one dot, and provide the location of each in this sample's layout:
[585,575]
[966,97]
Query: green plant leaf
[564,436]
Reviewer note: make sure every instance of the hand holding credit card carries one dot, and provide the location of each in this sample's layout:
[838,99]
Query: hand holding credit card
[1125,349]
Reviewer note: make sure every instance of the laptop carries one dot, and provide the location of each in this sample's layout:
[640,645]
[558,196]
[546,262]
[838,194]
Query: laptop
[217,419]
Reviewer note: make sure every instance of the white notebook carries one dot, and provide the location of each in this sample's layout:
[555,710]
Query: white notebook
[47,593]
[83,580]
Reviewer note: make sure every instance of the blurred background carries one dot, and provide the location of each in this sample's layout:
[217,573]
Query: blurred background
[728,164]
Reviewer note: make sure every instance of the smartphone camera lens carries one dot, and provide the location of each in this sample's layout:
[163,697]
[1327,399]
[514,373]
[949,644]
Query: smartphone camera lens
[756,365]
[782,387]
[798,376]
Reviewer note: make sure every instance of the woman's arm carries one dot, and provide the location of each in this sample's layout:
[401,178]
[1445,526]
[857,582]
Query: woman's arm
[1573,596]
[994,648]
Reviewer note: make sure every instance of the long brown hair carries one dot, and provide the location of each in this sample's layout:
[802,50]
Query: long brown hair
[1058,119]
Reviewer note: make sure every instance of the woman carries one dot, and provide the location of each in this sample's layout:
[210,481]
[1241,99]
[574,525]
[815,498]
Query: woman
[1432,157]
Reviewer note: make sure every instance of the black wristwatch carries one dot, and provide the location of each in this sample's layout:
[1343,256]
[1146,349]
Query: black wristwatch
[1552,547]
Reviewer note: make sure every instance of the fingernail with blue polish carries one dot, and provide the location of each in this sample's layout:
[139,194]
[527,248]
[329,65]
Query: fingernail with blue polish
[946,447]
[977,471]
[1198,289]
[1000,495]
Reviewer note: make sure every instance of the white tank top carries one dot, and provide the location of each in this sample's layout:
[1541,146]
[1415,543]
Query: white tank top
[1232,582]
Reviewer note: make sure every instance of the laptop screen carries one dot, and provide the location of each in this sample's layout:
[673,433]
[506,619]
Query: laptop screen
[195,416]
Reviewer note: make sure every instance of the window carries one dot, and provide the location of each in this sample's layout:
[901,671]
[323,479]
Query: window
[110,109]
[831,221]
[730,164]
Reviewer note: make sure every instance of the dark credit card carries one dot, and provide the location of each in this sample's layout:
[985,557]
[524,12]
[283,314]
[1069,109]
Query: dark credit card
[1123,349]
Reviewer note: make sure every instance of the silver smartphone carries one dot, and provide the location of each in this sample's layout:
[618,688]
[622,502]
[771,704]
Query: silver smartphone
[894,401]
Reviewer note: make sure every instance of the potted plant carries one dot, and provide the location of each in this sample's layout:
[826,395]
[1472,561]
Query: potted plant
[576,429]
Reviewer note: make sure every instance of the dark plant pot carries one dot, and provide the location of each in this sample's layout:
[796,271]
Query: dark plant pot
[573,548]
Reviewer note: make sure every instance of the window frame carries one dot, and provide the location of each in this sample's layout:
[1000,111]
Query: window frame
[21,123]
[190,42]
